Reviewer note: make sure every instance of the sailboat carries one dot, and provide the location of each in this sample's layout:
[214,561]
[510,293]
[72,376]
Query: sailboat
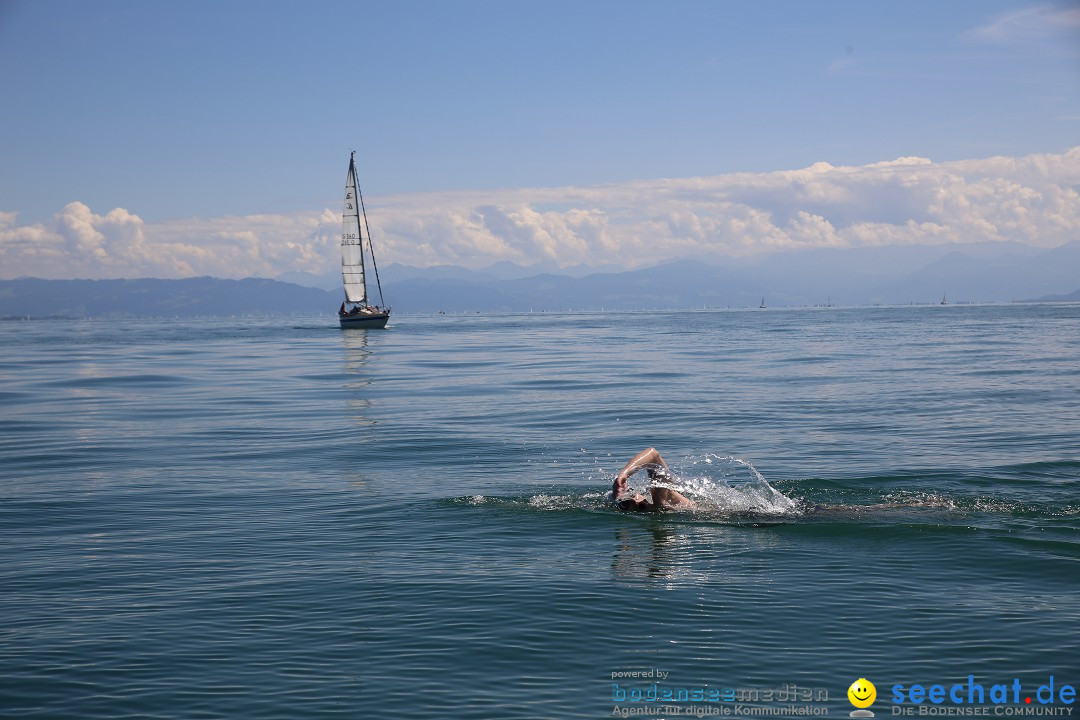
[943,300]
[762,305]
[356,311]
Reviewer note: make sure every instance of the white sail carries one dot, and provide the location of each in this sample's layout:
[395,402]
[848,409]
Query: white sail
[352,250]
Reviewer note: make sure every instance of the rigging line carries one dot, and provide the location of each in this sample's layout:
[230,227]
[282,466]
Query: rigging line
[371,248]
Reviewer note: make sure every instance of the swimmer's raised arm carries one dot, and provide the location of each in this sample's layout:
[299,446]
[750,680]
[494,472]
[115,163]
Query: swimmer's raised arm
[645,458]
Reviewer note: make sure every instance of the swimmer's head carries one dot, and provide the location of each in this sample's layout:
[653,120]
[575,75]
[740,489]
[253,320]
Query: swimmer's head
[659,474]
[637,503]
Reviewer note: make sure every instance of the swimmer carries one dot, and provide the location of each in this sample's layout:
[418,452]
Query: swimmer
[662,497]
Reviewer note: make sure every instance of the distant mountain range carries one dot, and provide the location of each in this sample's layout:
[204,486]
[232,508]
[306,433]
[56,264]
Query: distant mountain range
[1071,297]
[190,297]
[986,272]
[888,275]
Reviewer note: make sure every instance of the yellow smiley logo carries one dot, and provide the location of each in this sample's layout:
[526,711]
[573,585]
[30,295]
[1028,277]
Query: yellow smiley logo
[862,693]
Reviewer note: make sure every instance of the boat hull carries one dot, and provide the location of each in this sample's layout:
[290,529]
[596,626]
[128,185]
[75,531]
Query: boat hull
[364,321]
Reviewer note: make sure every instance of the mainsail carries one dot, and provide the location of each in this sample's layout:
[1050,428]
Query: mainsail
[352,250]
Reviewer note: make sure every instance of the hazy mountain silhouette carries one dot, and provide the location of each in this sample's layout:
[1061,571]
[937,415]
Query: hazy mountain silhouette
[203,296]
[889,275]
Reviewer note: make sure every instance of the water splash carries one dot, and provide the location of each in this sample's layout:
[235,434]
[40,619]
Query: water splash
[915,498]
[718,485]
[555,502]
[728,484]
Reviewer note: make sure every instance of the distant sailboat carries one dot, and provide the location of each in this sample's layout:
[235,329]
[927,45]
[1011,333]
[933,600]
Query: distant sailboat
[762,305]
[943,300]
[356,312]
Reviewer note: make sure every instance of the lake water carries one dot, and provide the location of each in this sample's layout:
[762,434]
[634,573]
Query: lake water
[278,519]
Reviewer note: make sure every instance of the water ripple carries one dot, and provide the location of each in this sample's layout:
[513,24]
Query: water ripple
[266,520]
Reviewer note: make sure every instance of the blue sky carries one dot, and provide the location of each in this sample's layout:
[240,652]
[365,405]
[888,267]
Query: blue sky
[214,109]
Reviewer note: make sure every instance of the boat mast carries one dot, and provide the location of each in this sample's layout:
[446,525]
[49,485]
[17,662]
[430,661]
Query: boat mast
[367,230]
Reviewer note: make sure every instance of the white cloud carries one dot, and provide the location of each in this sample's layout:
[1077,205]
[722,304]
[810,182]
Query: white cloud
[80,243]
[1031,26]
[1032,199]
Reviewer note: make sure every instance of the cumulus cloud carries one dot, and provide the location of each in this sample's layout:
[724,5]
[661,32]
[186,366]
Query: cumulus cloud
[1031,199]
[909,200]
[81,243]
